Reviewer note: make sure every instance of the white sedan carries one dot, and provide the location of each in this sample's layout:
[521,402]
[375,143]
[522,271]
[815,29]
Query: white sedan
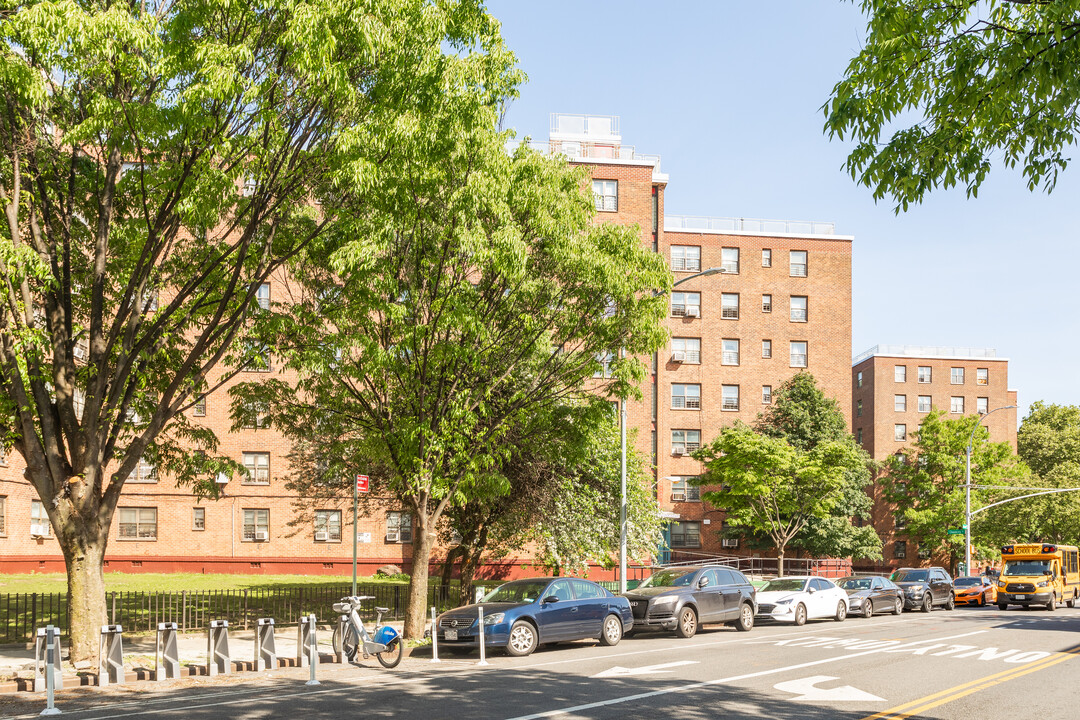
[796,599]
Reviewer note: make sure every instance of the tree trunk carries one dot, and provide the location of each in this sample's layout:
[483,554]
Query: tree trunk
[469,565]
[452,556]
[779,561]
[84,556]
[416,606]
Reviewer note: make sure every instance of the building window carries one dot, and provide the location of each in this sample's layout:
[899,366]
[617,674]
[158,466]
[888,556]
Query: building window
[729,260]
[925,403]
[956,404]
[899,550]
[956,376]
[982,405]
[262,296]
[899,403]
[729,306]
[730,396]
[684,442]
[256,416]
[685,534]
[39,520]
[982,376]
[766,258]
[685,304]
[327,526]
[398,527]
[858,436]
[926,375]
[259,359]
[144,472]
[766,349]
[766,303]
[797,263]
[858,379]
[3,516]
[858,408]
[900,432]
[256,525]
[899,373]
[198,518]
[606,195]
[137,523]
[797,353]
[683,491]
[685,397]
[899,521]
[766,394]
[730,352]
[258,468]
[199,408]
[685,258]
[605,360]
[798,308]
[690,349]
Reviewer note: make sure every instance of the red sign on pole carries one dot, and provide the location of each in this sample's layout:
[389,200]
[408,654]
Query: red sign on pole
[362,483]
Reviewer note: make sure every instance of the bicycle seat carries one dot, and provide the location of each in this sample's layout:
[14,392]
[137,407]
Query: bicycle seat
[382,610]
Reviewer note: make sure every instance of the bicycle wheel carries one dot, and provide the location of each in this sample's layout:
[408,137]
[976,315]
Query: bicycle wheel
[392,656]
[350,643]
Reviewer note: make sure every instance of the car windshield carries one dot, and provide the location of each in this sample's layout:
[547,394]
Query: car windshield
[911,576]
[524,591]
[784,585]
[669,578]
[854,583]
[1027,567]
[967,581]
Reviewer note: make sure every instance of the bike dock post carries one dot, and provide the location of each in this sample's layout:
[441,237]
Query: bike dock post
[483,657]
[304,628]
[218,659]
[434,637]
[47,660]
[166,652]
[111,656]
[265,649]
[313,651]
[342,630]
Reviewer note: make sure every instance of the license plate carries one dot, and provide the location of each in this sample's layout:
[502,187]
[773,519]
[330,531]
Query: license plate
[451,635]
[1021,597]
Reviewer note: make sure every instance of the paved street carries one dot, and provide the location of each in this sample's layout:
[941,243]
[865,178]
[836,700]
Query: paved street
[961,664]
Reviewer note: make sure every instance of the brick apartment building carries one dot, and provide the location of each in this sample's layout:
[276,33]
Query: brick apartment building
[781,305]
[894,386]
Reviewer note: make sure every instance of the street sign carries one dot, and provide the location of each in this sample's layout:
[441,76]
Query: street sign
[362,483]
[955,531]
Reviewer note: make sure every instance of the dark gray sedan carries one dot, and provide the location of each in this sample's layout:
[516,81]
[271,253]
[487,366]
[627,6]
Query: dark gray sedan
[870,594]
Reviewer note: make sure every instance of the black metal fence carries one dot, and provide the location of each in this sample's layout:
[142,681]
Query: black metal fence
[192,610]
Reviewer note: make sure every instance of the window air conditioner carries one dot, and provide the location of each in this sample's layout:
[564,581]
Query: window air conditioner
[393,536]
[322,536]
[38,530]
[262,535]
[692,311]
[678,356]
[678,450]
[729,542]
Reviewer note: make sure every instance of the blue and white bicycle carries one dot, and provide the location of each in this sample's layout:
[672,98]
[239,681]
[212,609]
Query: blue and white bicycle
[385,643]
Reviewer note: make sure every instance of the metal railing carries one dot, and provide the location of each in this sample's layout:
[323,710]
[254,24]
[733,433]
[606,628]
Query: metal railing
[584,125]
[682,402]
[587,150]
[797,270]
[798,314]
[927,351]
[739,224]
[798,360]
[685,264]
[730,313]
[730,358]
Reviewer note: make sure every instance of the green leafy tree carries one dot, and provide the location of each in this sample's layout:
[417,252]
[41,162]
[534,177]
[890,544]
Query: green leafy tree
[771,487]
[926,479]
[158,163]
[473,297]
[940,88]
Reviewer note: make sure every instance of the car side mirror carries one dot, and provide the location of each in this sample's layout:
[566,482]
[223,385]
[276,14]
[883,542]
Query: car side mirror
[703,582]
[551,599]
[811,590]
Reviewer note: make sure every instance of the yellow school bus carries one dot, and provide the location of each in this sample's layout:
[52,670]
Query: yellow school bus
[1039,574]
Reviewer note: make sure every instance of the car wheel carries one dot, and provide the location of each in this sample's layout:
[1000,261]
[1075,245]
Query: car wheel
[687,624]
[1071,602]
[927,603]
[982,599]
[746,618]
[841,611]
[612,632]
[950,602]
[868,608]
[522,640]
[1003,606]
[898,607]
[1052,605]
[800,614]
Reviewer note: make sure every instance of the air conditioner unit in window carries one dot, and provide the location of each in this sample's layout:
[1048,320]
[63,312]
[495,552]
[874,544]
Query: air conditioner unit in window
[692,311]
[38,530]
[393,536]
[262,535]
[678,450]
[729,542]
[678,356]
[322,536]
[678,497]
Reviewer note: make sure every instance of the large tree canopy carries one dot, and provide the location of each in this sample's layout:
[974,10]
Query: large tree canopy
[942,89]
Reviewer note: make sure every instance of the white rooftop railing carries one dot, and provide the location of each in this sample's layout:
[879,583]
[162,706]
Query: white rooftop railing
[585,126]
[575,150]
[739,224]
[927,351]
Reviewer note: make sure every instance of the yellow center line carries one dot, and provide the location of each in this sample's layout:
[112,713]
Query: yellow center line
[954,693]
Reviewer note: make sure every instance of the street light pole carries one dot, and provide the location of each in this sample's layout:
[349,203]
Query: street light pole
[622,452]
[967,488]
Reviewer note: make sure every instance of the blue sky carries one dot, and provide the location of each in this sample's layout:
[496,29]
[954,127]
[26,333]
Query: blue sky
[730,95]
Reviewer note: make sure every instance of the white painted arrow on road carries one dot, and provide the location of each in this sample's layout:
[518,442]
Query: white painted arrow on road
[618,671]
[805,689]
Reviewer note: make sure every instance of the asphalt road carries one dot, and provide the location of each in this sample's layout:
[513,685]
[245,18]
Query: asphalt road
[971,662]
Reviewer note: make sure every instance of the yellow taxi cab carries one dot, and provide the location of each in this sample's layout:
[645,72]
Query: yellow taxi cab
[974,590]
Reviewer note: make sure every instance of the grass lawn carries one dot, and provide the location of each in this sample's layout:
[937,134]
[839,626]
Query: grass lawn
[57,582]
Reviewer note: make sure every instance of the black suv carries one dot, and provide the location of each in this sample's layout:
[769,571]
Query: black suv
[925,587]
[682,598]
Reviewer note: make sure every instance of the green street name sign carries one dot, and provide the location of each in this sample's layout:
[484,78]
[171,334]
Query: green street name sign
[956,531]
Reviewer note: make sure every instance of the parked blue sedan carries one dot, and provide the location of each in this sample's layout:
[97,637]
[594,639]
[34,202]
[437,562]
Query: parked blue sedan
[525,613]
